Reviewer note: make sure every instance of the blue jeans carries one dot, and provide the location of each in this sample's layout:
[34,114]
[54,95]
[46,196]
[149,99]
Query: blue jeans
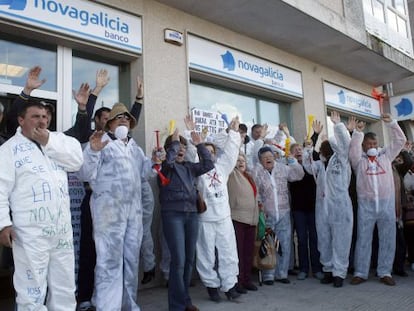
[180,232]
[306,231]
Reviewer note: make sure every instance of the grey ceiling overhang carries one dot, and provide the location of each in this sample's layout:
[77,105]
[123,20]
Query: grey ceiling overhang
[278,24]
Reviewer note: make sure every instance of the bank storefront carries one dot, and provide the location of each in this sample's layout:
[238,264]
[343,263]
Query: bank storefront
[70,40]
[227,82]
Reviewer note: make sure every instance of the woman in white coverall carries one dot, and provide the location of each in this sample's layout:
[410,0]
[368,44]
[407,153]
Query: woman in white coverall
[34,187]
[272,184]
[216,231]
[376,198]
[113,166]
[334,217]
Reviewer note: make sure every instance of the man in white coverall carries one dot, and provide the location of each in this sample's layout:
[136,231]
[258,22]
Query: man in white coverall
[216,231]
[376,202]
[34,188]
[114,165]
[334,217]
[271,179]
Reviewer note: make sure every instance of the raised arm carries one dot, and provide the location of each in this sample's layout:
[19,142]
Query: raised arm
[82,127]
[137,105]
[33,82]
[102,79]
[397,137]
[355,146]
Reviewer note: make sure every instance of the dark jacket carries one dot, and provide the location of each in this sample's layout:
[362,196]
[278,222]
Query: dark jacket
[181,193]
[303,194]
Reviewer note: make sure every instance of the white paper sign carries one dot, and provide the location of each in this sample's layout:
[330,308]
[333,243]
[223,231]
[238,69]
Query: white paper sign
[208,120]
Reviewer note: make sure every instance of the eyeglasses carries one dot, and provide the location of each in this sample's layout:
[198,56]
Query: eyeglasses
[123,116]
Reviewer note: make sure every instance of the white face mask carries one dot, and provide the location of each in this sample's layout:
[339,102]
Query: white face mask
[121,132]
[372,152]
[322,158]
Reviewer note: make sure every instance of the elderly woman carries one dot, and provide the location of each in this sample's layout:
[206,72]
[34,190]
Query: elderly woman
[244,213]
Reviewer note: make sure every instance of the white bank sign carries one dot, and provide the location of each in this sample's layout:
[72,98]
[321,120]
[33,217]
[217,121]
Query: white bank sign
[342,98]
[214,58]
[80,19]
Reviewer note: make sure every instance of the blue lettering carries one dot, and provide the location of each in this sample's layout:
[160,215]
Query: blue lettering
[52,6]
[115,36]
[23,147]
[63,10]
[43,193]
[260,70]
[85,18]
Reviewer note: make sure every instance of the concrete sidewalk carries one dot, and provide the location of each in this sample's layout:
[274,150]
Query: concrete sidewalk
[307,295]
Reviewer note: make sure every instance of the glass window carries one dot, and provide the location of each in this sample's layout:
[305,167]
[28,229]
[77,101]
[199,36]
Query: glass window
[273,114]
[223,101]
[378,9]
[250,109]
[402,26]
[399,6]
[84,70]
[392,20]
[16,59]
[368,6]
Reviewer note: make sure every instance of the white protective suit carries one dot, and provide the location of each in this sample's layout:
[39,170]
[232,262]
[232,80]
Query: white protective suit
[147,247]
[333,209]
[34,187]
[376,202]
[114,174]
[274,195]
[216,229]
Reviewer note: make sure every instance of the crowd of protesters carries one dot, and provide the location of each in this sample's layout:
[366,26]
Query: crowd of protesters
[212,189]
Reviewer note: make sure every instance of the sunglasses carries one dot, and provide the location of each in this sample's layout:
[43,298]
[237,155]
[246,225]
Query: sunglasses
[123,116]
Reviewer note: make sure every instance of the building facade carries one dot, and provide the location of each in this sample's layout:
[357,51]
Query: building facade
[265,61]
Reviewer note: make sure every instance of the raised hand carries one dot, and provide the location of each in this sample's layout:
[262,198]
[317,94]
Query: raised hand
[102,79]
[386,117]
[351,125]
[360,126]
[335,117]
[81,96]
[140,88]
[196,138]
[33,82]
[234,124]
[283,126]
[189,123]
[317,126]
[158,155]
[96,142]
[264,131]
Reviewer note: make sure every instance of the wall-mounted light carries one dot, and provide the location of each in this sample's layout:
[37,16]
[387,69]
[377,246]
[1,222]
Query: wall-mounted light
[173,36]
